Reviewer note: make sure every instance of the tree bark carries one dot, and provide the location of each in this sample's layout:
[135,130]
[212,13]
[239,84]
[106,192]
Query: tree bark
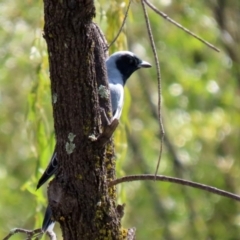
[79,196]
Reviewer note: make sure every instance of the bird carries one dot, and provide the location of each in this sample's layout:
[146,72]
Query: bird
[120,66]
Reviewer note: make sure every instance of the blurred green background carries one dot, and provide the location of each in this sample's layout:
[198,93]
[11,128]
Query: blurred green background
[200,110]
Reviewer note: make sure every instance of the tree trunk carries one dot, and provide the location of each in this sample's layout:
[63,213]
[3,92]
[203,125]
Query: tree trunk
[79,196]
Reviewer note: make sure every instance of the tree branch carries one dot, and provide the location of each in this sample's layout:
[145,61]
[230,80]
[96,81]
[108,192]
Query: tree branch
[159,83]
[30,233]
[123,23]
[165,16]
[151,177]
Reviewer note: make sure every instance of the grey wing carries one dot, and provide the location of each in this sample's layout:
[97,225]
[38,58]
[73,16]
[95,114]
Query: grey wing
[50,170]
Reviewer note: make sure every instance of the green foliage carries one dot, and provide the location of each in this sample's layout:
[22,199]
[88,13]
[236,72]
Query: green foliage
[200,93]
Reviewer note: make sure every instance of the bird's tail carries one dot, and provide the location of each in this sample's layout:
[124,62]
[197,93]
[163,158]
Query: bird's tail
[48,222]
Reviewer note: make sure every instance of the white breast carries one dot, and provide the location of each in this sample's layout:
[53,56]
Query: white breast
[117,96]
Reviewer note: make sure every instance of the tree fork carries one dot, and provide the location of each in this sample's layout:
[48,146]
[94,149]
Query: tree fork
[79,196]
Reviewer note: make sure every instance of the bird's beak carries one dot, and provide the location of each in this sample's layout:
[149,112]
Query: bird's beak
[144,64]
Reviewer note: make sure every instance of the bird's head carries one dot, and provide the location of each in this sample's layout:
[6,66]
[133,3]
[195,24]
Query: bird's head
[126,63]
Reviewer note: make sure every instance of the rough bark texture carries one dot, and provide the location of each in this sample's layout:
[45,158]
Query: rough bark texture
[79,197]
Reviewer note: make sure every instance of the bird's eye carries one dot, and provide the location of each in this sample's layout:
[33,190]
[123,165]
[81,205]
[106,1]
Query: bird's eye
[129,59]
[136,61]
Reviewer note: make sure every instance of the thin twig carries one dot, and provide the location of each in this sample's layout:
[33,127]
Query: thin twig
[159,83]
[120,30]
[155,202]
[151,177]
[30,233]
[165,16]
[147,93]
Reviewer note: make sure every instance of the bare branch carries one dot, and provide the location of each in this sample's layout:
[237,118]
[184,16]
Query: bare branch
[165,16]
[151,177]
[159,83]
[120,30]
[30,233]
